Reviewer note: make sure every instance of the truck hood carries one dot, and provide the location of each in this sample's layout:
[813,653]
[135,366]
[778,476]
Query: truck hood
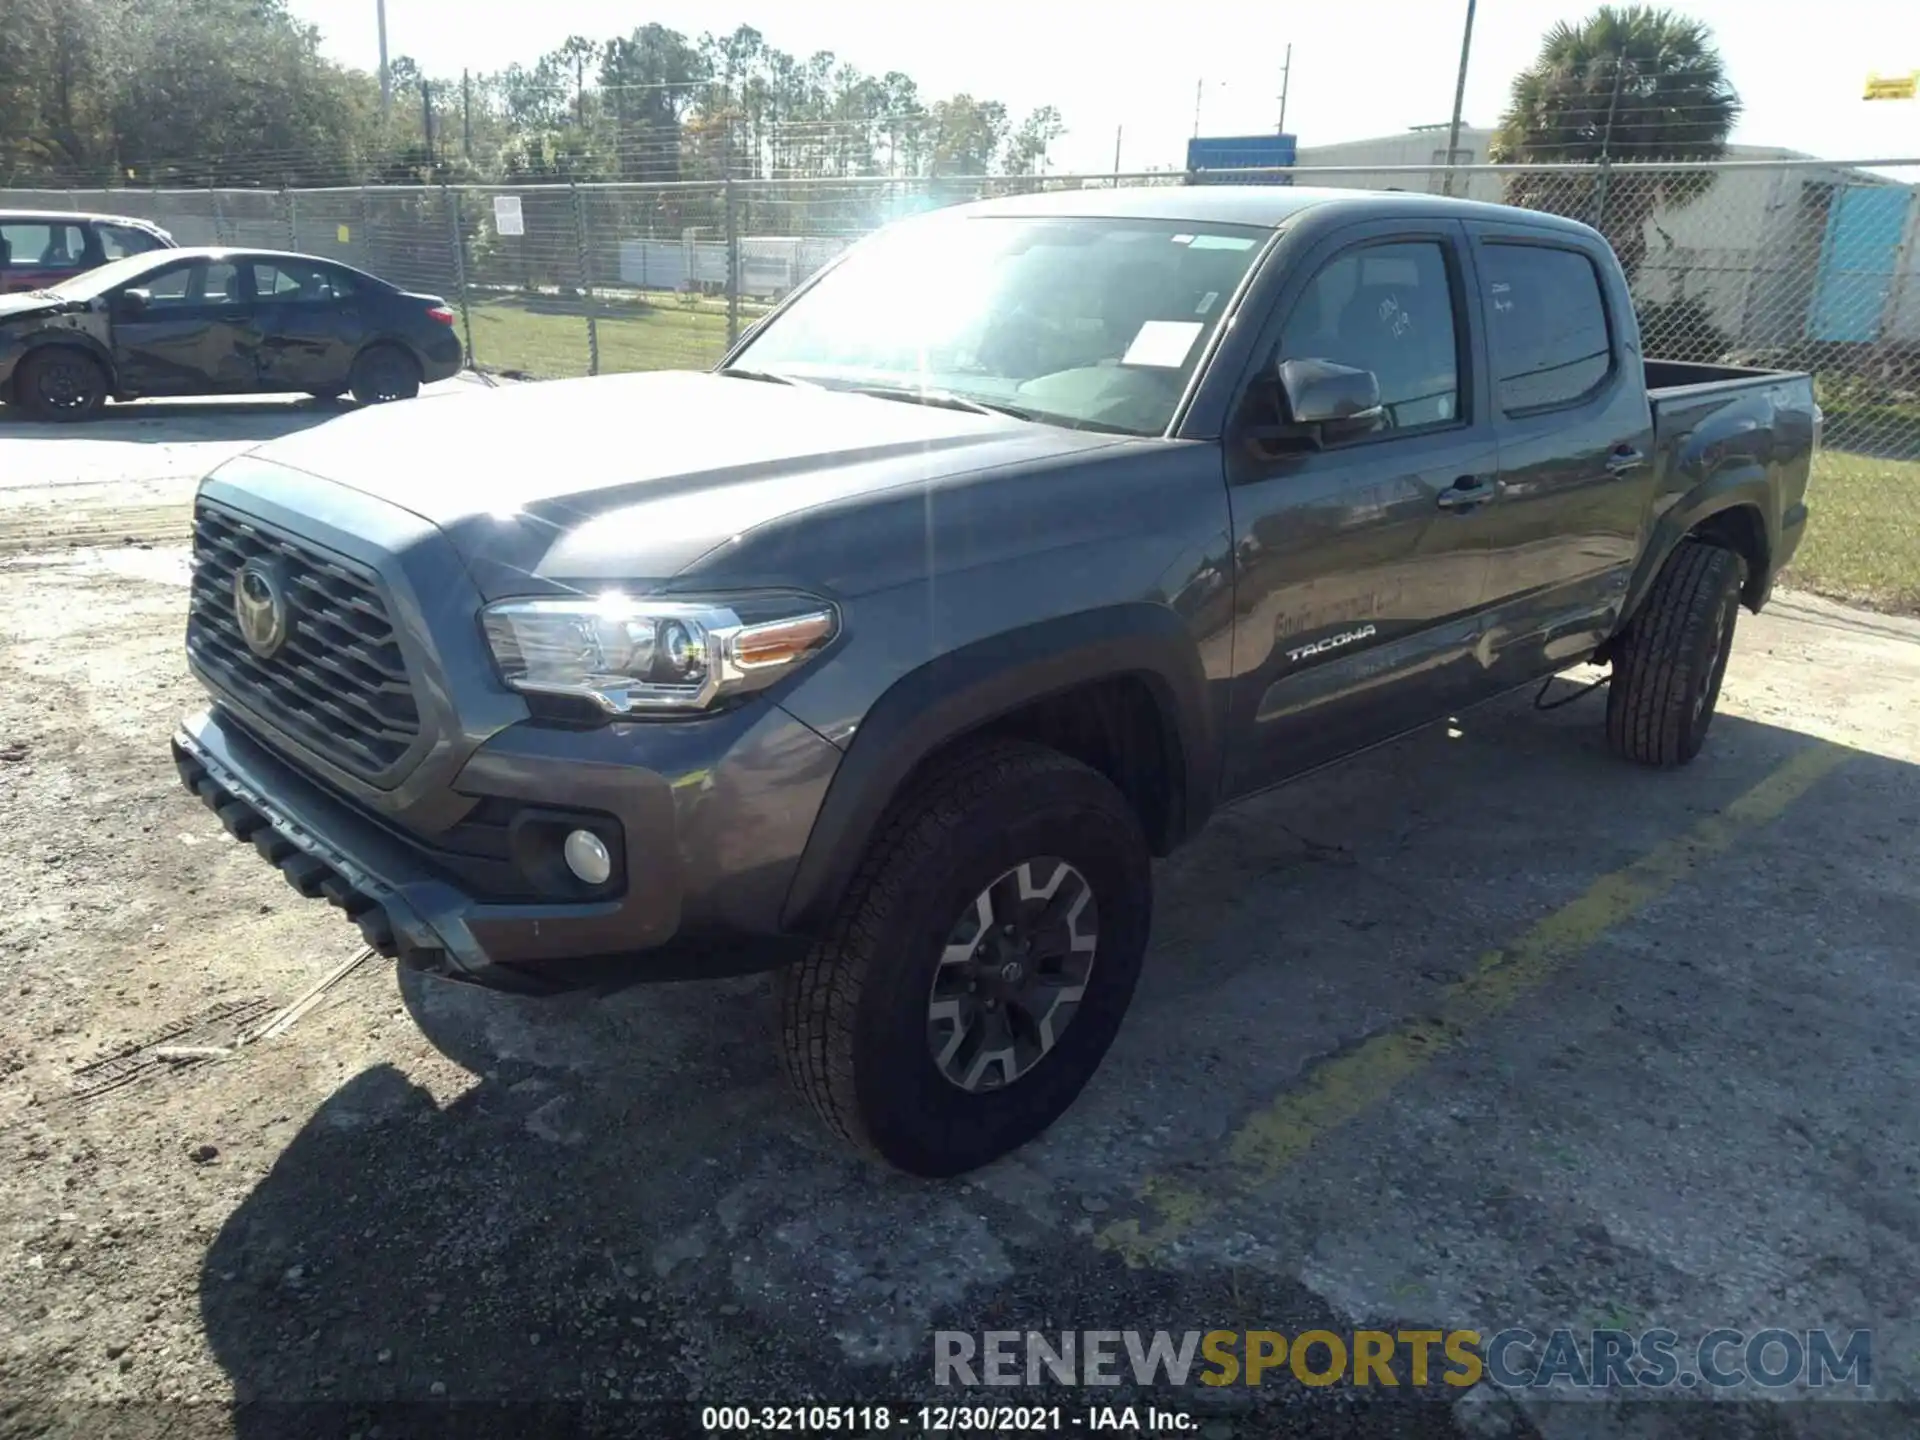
[632,477]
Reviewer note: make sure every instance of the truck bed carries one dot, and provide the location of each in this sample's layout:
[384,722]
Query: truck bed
[1668,375]
[1729,433]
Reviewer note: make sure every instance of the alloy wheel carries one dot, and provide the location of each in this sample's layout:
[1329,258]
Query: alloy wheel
[1012,975]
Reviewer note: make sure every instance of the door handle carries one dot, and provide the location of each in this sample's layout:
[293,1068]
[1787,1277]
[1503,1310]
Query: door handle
[1467,492]
[1624,459]
[235,313]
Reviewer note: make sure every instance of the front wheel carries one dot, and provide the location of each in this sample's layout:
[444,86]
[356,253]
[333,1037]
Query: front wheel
[59,382]
[980,964]
[383,373]
[1673,656]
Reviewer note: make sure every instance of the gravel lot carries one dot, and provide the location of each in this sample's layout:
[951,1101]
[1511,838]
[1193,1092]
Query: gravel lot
[1480,1030]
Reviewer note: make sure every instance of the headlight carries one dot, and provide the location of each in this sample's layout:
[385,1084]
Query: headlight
[632,655]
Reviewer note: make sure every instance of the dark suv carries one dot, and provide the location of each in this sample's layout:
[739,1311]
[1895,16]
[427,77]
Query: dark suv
[39,248]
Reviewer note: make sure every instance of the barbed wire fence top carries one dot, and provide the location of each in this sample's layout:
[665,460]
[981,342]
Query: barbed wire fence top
[1798,264]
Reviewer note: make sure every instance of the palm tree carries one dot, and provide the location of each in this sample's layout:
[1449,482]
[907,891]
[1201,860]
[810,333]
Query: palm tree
[1625,84]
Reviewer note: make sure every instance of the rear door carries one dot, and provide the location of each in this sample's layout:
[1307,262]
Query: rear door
[196,335]
[310,324]
[1576,445]
[40,253]
[1358,585]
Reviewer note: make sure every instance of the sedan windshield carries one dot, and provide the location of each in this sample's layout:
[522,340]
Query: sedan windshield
[1096,323]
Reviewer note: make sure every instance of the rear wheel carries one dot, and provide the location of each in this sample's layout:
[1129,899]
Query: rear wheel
[980,965]
[59,382]
[382,373]
[1670,661]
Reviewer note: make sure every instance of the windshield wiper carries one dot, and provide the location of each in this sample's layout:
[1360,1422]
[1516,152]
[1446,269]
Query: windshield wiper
[773,377]
[940,399]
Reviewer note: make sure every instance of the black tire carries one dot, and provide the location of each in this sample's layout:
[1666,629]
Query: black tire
[61,382]
[1668,664]
[855,1024]
[382,373]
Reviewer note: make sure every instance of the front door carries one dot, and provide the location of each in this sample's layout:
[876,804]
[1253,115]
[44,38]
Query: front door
[195,335]
[1360,567]
[1576,446]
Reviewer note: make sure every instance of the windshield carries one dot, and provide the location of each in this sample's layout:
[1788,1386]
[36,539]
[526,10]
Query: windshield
[1090,322]
[98,281]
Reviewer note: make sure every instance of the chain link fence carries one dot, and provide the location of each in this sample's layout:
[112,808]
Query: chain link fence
[1802,265]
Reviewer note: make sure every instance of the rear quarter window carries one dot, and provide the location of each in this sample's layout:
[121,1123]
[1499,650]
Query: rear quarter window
[1546,326]
[119,241]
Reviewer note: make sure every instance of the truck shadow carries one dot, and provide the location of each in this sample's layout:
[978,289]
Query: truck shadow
[257,417]
[160,422]
[473,1270]
[626,1211]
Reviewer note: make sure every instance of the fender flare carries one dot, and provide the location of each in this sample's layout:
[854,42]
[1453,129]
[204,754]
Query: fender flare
[78,340]
[392,340]
[967,689]
[1743,489]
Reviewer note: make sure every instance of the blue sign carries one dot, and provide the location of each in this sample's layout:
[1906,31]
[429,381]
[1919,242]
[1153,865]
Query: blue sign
[1236,152]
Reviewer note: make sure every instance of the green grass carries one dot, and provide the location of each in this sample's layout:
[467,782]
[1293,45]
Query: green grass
[546,335]
[1863,534]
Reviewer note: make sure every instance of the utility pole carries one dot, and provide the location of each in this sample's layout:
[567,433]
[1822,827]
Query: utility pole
[1118,131]
[1286,77]
[1606,143]
[580,91]
[1199,87]
[466,114]
[386,75]
[426,115]
[1459,98]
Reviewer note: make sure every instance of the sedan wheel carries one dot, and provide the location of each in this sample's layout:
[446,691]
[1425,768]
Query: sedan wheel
[384,373]
[62,383]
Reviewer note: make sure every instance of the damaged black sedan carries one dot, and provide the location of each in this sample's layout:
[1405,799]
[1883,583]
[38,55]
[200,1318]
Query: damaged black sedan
[220,322]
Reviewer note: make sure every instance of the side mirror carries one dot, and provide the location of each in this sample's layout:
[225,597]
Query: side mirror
[1335,400]
[134,302]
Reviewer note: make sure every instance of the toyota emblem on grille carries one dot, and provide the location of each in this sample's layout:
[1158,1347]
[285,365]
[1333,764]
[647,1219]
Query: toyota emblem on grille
[260,608]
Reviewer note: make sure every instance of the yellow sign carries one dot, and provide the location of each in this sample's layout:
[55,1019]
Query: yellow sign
[345,235]
[1893,87]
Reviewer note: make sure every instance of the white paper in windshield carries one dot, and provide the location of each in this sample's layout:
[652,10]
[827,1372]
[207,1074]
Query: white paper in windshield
[1163,343]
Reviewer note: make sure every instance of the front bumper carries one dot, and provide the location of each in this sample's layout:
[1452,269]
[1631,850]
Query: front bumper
[712,831]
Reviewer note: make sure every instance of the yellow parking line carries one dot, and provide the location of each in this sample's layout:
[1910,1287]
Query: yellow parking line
[1335,1092]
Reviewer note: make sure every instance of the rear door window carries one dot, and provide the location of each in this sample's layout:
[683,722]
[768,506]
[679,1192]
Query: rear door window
[281,281]
[42,245]
[1546,324]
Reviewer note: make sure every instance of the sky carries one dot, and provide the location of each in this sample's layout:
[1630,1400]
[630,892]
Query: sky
[1360,68]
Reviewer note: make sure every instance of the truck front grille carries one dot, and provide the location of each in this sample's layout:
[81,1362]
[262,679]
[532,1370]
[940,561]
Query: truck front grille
[337,683]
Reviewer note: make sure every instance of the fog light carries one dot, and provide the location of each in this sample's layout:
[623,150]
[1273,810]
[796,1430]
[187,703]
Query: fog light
[588,858]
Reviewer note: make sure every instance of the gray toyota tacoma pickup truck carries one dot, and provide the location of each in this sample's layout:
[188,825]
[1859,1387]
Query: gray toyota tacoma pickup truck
[981,572]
